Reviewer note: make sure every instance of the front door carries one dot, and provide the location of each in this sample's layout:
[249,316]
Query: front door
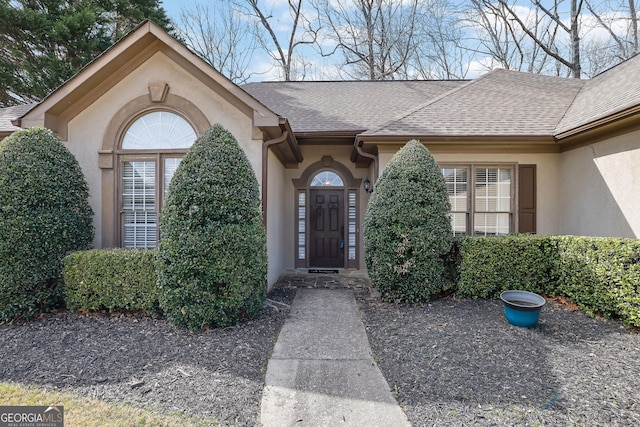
[326,245]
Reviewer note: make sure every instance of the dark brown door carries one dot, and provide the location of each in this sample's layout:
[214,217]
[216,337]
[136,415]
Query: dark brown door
[326,245]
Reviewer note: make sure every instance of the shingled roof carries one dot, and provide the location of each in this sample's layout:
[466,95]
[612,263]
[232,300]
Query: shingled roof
[8,114]
[609,93]
[344,106]
[500,104]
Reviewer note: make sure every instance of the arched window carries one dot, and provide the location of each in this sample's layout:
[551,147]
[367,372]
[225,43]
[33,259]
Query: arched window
[151,150]
[159,130]
[327,179]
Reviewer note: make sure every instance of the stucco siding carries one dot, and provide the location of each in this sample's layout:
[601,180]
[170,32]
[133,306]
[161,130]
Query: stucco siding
[87,130]
[599,188]
[279,220]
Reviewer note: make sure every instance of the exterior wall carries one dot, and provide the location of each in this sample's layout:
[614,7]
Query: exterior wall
[599,188]
[88,129]
[548,210]
[279,220]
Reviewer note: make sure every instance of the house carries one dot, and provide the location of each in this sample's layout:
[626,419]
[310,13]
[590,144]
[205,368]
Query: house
[520,152]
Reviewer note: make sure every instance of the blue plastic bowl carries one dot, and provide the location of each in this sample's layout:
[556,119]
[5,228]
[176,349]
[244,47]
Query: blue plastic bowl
[522,308]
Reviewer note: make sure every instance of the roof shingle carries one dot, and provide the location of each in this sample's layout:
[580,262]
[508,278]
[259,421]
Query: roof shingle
[343,106]
[613,91]
[8,114]
[500,103]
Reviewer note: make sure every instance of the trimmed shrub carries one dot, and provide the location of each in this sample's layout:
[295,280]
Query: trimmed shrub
[111,279]
[407,227]
[600,275]
[44,215]
[492,265]
[212,257]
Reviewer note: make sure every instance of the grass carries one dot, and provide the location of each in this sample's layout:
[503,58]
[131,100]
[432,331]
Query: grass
[86,412]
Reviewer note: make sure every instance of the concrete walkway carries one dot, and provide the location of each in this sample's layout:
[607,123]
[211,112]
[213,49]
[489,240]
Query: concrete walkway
[321,372]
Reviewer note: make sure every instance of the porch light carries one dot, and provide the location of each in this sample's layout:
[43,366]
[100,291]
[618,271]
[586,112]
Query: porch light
[367,185]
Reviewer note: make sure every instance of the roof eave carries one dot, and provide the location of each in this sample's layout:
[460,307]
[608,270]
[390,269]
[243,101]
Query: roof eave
[466,143]
[620,117]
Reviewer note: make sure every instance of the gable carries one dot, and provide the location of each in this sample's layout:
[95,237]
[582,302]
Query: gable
[89,84]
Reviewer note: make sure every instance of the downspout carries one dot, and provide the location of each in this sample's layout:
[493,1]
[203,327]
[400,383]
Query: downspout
[265,171]
[369,156]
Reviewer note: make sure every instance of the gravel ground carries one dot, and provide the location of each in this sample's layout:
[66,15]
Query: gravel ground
[453,362]
[449,362]
[216,374]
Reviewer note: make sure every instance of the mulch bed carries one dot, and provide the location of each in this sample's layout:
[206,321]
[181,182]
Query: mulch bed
[453,362]
[449,362]
[216,374]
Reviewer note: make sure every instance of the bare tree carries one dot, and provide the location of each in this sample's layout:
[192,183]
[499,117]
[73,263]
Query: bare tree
[570,59]
[503,40]
[218,35]
[283,50]
[442,52]
[619,19]
[377,38]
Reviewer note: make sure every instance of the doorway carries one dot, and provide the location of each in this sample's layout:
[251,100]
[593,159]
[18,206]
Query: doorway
[326,233]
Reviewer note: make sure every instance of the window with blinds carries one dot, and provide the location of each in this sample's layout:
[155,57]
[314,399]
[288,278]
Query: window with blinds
[147,167]
[481,198]
[493,207]
[139,204]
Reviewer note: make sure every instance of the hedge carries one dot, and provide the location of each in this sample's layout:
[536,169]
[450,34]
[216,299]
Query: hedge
[600,275]
[111,279]
[492,265]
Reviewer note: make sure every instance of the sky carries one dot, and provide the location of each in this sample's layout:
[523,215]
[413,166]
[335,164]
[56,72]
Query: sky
[262,65]
[173,7]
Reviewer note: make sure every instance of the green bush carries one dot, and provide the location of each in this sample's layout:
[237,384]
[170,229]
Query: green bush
[111,279]
[44,215]
[492,265]
[212,257]
[407,227]
[600,275]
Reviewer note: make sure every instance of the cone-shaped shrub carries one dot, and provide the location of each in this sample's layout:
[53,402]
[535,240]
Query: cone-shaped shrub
[407,227]
[212,258]
[44,215]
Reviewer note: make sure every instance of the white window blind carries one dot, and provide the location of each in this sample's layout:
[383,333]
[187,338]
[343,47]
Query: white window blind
[140,215]
[457,189]
[492,201]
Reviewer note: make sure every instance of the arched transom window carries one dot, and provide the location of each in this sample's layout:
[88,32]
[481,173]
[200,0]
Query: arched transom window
[159,130]
[327,179]
[152,149]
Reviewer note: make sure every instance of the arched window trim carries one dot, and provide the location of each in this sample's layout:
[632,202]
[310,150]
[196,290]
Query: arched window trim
[111,155]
